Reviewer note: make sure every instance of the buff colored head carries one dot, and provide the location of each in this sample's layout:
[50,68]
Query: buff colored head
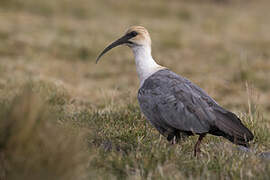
[142,38]
[134,36]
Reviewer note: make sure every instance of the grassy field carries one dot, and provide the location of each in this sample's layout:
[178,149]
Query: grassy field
[64,117]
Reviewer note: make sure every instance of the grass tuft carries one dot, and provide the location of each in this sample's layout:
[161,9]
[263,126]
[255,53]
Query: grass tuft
[33,145]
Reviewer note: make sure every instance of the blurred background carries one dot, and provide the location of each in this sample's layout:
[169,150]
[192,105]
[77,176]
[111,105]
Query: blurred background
[47,63]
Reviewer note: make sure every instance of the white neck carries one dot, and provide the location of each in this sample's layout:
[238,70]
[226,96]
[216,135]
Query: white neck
[145,64]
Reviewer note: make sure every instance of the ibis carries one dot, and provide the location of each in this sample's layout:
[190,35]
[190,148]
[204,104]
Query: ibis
[175,106]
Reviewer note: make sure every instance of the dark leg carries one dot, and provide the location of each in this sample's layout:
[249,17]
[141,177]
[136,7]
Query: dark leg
[178,136]
[197,145]
[172,138]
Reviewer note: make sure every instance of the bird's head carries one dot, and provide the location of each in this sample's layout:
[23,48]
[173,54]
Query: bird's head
[135,36]
[141,36]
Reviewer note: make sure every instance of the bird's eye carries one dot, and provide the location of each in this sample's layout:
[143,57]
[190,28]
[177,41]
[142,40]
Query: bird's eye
[133,33]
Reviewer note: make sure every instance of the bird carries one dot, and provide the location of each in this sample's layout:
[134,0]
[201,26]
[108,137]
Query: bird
[174,105]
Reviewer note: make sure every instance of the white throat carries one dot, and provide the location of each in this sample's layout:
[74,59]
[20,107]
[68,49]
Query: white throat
[145,64]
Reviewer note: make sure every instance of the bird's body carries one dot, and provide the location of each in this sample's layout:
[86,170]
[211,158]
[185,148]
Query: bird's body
[173,105]
[176,106]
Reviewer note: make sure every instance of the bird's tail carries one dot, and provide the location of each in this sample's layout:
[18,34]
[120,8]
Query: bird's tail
[231,127]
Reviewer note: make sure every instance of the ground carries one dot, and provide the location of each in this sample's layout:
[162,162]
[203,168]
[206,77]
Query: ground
[64,117]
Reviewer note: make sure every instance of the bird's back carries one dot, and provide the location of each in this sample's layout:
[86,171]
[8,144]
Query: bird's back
[171,103]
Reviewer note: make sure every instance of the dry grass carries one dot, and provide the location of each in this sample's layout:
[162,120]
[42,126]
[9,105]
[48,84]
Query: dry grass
[34,144]
[221,45]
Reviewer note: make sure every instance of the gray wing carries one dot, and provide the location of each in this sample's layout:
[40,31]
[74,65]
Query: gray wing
[171,102]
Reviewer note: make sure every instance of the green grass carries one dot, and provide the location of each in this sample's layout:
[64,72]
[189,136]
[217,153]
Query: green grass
[64,117]
[42,138]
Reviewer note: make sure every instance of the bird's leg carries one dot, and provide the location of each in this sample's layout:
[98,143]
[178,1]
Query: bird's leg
[197,145]
[172,138]
[176,137]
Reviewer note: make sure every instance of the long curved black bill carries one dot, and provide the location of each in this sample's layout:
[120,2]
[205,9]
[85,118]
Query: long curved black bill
[118,42]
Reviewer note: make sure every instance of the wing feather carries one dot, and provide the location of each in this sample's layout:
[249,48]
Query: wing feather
[178,105]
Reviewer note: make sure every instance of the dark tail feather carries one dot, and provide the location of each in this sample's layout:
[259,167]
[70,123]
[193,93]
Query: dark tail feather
[230,126]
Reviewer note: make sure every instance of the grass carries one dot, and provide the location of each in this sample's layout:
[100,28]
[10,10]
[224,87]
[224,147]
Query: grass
[63,117]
